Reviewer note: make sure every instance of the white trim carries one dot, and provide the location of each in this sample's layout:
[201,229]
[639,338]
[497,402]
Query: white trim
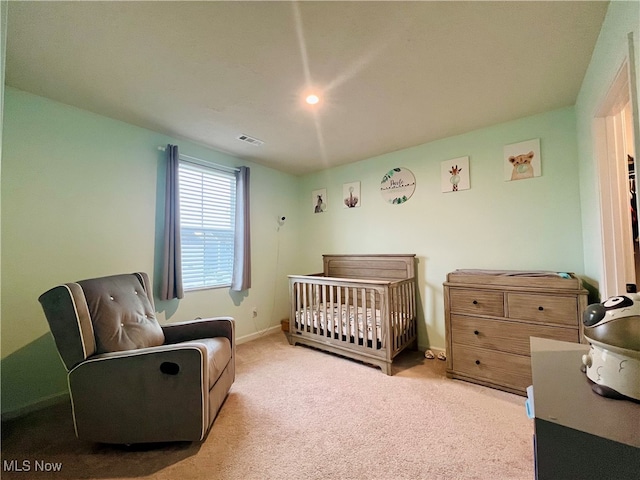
[208,164]
[207,225]
[256,335]
[203,163]
[610,148]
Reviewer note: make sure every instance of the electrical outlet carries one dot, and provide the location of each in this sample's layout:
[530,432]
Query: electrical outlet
[255,312]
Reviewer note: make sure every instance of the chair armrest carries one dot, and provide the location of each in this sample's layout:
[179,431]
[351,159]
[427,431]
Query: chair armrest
[197,329]
[134,396]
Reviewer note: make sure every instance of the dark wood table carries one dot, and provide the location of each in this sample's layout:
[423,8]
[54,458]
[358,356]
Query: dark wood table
[578,433]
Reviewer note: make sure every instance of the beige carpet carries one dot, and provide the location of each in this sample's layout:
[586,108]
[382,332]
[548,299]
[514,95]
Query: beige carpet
[297,413]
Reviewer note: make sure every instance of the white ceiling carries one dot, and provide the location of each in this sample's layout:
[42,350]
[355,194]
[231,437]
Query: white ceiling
[391,74]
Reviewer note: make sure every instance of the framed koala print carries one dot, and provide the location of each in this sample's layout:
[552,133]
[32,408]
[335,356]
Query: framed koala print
[522,160]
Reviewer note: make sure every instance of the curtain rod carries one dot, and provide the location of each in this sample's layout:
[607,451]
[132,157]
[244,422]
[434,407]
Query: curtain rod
[200,161]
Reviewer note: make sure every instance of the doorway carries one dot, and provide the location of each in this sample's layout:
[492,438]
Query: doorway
[617,167]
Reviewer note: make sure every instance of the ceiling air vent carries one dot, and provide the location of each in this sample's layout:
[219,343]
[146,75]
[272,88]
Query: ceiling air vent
[247,139]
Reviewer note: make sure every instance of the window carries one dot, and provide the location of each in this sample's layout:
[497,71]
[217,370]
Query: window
[207,225]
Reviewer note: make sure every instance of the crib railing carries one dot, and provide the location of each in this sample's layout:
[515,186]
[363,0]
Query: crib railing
[374,316]
[403,321]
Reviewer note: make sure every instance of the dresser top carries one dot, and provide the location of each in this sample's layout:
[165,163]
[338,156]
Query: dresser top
[562,395]
[515,278]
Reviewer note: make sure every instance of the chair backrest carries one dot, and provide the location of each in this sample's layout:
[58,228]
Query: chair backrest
[101,315]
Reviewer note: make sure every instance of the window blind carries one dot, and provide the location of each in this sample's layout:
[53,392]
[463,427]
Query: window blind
[207,225]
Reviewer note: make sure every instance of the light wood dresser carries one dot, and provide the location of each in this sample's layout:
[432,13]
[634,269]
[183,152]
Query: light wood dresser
[490,315]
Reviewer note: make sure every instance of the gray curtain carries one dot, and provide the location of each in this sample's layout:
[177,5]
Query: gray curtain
[172,259]
[241,279]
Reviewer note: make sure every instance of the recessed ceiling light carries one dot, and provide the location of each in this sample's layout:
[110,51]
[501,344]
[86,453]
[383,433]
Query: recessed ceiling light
[312,99]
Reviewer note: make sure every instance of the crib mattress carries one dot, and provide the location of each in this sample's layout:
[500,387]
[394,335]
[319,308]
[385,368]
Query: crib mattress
[341,320]
[345,320]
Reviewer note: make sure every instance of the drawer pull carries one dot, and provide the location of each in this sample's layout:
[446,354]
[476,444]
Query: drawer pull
[477,362]
[541,308]
[476,332]
[475,302]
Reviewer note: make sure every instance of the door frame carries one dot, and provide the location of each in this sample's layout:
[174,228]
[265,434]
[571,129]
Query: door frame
[614,128]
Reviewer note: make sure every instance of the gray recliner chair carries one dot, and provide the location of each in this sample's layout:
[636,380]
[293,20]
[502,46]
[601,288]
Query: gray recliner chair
[132,380]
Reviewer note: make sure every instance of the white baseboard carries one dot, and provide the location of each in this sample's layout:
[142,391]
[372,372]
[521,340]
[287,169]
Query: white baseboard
[261,333]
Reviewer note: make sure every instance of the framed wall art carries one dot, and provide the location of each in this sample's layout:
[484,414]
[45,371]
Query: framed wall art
[397,185]
[351,195]
[454,174]
[522,160]
[319,200]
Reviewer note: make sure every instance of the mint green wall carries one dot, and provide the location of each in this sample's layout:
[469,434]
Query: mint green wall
[80,196]
[526,224]
[608,56]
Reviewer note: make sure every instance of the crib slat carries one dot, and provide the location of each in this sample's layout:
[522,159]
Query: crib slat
[305,312]
[330,321]
[356,316]
[393,294]
[398,309]
[323,303]
[407,314]
[348,315]
[344,314]
[310,302]
[374,320]
[305,304]
[409,302]
[354,300]
[385,319]
[365,326]
[298,317]
[414,312]
[400,336]
[403,316]
[316,308]
[338,319]
[366,323]
[410,312]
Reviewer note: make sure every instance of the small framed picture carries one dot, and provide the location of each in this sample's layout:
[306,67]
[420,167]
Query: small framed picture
[455,174]
[319,199]
[351,195]
[522,160]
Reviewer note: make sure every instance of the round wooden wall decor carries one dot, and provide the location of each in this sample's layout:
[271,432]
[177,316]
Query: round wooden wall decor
[398,185]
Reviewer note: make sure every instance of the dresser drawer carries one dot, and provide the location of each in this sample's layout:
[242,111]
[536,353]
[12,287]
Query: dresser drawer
[476,302]
[510,337]
[559,309]
[496,367]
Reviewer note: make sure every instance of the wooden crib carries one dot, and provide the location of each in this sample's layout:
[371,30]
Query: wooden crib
[362,307]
